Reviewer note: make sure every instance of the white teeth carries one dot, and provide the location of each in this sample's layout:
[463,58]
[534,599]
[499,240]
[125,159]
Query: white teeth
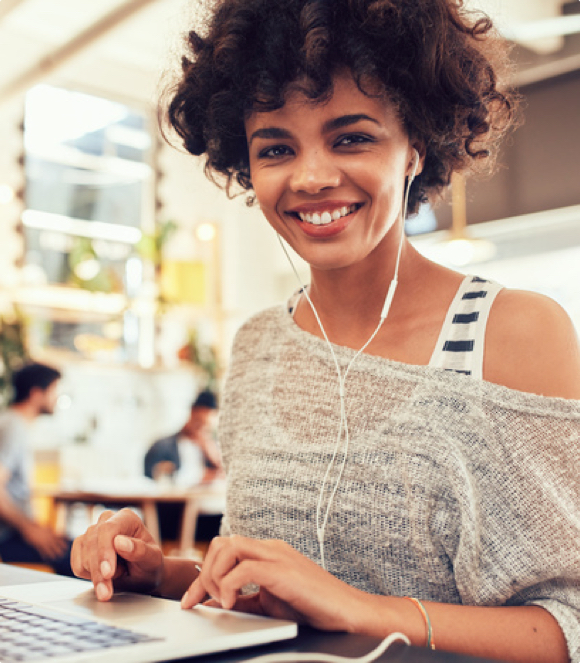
[327,217]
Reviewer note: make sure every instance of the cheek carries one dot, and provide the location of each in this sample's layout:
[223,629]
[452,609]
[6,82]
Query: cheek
[389,188]
[267,191]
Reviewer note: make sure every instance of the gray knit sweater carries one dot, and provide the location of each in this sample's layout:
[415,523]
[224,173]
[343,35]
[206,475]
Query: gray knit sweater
[454,489]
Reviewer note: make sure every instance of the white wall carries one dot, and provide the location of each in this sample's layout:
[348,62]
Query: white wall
[113,415]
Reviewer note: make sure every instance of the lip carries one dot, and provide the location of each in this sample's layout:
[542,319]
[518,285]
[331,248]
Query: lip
[330,229]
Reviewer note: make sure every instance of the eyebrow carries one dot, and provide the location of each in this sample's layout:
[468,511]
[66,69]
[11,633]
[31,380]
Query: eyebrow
[330,125]
[346,120]
[270,132]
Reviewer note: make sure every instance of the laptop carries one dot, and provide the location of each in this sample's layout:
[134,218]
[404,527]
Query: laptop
[131,628]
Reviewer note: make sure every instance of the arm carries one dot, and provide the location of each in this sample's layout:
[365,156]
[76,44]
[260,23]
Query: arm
[294,587]
[152,457]
[119,553]
[42,538]
[522,633]
[531,345]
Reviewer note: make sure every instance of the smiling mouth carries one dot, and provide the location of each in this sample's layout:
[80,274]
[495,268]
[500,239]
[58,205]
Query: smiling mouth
[324,218]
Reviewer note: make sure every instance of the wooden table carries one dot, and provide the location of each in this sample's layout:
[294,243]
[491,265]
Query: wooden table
[145,499]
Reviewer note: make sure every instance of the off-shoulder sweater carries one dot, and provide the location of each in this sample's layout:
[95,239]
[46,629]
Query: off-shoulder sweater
[454,489]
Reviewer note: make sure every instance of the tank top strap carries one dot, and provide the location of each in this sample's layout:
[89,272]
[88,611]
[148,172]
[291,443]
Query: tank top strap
[292,303]
[460,346]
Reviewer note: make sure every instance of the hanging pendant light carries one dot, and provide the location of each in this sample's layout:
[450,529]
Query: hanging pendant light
[458,248]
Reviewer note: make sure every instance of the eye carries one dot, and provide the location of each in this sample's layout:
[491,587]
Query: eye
[349,140]
[274,152]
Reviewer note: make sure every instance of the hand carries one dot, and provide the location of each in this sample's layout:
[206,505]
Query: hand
[164,468]
[48,544]
[118,553]
[212,452]
[291,586]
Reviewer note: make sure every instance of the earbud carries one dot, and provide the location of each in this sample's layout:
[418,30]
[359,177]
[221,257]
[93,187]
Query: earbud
[414,165]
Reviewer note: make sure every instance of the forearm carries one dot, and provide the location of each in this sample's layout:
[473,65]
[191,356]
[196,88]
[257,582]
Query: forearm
[177,576]
[526,633]
[11,514]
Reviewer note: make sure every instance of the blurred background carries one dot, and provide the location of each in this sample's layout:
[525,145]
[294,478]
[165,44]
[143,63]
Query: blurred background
[124,267]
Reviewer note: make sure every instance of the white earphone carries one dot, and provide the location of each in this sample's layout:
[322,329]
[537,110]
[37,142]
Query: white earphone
[321,520]
[393,284]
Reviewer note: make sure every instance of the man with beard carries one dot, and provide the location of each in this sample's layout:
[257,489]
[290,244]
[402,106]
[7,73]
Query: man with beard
[22,538]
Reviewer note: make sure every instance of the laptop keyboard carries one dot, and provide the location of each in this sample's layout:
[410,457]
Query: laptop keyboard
[33,633]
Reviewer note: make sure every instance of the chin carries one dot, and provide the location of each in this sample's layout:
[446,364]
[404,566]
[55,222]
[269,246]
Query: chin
[328,262]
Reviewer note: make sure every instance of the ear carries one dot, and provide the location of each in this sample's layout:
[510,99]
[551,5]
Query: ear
[36,396]
[416,152]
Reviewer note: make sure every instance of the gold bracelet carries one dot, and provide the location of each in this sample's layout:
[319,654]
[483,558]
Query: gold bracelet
[430,640]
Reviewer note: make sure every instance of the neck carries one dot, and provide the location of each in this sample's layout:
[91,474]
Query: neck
[26,410]
[350,301]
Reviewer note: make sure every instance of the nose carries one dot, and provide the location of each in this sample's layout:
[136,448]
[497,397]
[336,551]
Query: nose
[314,171]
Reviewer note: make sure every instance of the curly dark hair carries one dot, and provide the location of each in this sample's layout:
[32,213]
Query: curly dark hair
[438,62]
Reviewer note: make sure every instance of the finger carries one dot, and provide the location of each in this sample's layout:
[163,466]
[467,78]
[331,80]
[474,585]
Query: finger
[216,548]
[61,547]
[56,550]
[137,551]
[83,555]
[227,553]
[195,594]
[109,526]
[215,545]
[51,549]
[76,559]
[214,575]
[263,573]
[101,557]
[249,603]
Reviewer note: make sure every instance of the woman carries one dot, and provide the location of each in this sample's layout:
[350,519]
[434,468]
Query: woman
[378,446]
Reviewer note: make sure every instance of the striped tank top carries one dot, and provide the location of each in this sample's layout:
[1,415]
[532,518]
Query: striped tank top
[461,342]
[460,345]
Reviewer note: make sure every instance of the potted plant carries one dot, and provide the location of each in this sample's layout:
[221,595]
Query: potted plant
[13,351]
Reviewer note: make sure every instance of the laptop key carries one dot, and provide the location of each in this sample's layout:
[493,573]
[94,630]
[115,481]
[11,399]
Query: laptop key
[31,633]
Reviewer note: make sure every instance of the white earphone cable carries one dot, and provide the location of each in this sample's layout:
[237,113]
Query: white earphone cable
[329,658]
[343,425]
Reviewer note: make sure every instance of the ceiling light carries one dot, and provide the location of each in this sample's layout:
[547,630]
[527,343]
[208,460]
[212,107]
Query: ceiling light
[88,269]
[70,226]
[7,194]
[205,232]
[459,249]
[462,251]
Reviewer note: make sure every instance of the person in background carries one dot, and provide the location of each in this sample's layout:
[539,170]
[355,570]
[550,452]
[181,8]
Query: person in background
[188,457]
[191,455]
[22,538]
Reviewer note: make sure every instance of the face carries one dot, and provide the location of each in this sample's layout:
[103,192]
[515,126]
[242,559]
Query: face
[46,398]
[199,422]
[330,177]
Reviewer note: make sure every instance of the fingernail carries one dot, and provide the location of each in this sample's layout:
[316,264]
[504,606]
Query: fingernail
[184,603]
[102,591]
[123,543]
[105,568]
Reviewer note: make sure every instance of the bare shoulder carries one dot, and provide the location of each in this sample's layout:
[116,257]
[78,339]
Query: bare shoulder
[532,346]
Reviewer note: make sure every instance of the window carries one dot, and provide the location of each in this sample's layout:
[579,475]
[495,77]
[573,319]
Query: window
[89,196]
